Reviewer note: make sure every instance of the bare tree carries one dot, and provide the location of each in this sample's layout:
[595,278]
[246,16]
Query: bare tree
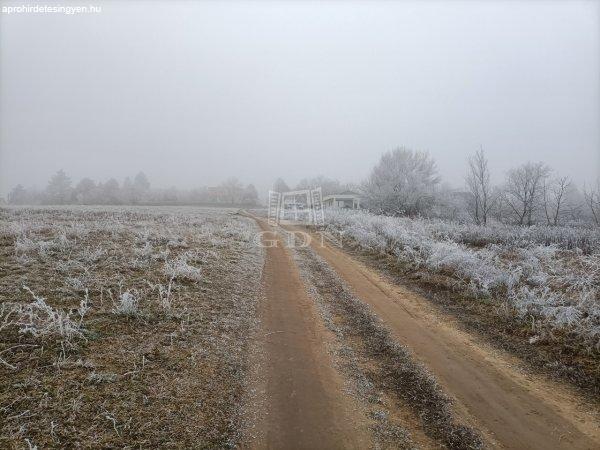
[523,190]
[554,195]
[592,201]
[481,200]
[233,190]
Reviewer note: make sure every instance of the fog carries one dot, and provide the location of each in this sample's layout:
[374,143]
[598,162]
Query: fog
[193,92]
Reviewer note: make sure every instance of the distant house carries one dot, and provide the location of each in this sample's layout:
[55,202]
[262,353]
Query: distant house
[343,200]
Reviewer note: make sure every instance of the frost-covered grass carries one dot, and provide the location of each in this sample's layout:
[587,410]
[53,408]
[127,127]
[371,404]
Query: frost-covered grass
[41,321]
[127,304]
[180,268]
[582,238]
[548,275]
[124,326]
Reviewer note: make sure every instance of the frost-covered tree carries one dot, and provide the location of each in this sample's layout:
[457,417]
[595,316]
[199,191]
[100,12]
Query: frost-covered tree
[126,194]
[555,193]
[140,182]
[592,201]
[574,209]
[59,189]
[451,204]
[18,195]
[328,186]
[110,192]
[169,195]
[402,183]
[232,190]
[481,200]
[84,191]
[250,195]
[140,187]
[523,191]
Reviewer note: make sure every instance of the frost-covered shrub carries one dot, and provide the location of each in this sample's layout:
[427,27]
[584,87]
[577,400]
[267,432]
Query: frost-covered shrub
[90,255]
[177,242]
[181,269]
[145,251]
[74,283]
[69,266]
[567,238]
[127,304]
[145,255]
[542,271]
[102,377]
[165,300]
[480,272]
[27,245]
[585,239]
[42,320]
[162,255]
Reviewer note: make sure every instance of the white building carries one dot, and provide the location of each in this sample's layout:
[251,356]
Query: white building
[343,200]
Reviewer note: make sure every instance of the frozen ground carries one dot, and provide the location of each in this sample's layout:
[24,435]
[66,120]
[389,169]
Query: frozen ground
[125,326]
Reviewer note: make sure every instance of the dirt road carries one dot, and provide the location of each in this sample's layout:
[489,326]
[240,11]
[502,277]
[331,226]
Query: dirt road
[512,410]
[305,406]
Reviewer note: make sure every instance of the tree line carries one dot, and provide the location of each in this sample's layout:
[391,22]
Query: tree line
[61,191]
[406,182]
[328,186]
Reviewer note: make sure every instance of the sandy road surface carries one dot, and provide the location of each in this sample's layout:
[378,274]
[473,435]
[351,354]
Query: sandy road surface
[512,410]
[304,403]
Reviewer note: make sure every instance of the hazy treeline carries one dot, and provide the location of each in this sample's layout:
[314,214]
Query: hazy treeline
[403,183]
[407,183]
[61,191]
[328,186]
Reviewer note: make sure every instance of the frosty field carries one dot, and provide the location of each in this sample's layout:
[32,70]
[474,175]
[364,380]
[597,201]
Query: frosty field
[174,327]
[124,326]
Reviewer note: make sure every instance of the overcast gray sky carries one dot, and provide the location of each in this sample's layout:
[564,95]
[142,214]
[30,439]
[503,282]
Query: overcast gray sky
[193,92]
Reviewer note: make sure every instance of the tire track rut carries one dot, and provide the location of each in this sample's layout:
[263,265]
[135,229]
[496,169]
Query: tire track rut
[305,406]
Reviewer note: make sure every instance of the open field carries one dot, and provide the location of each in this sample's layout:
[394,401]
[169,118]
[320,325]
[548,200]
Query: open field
[159,327]
[125,326]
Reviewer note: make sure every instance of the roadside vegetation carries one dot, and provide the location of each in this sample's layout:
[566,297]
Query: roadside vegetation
[542,282]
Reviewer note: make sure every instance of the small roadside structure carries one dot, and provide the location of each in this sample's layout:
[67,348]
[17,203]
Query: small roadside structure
[343,200]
